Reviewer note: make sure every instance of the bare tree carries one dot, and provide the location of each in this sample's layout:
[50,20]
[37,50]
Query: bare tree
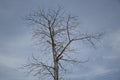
[57,31]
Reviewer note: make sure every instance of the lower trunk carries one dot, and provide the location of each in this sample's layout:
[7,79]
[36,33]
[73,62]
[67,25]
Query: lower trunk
[56,70]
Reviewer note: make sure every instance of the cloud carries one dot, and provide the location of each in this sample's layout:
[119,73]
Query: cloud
[112,46]
[115,40]
[92,72]
[11,62]
[15,50]
[8,73]
[99,70]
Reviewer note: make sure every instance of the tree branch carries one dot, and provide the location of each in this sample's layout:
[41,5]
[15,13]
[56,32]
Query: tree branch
[68,34]
[64,49]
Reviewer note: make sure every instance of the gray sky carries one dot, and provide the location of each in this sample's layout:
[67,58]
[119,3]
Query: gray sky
[94,15]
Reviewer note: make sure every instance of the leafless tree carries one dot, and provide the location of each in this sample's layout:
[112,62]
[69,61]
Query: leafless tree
[57,31]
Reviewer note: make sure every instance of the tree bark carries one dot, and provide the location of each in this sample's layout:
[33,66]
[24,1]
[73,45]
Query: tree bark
[56,70]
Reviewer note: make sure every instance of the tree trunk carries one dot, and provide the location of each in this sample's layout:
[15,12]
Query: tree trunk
[56,70]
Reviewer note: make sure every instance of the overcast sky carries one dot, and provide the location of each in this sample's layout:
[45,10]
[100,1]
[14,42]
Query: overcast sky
[16,43]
